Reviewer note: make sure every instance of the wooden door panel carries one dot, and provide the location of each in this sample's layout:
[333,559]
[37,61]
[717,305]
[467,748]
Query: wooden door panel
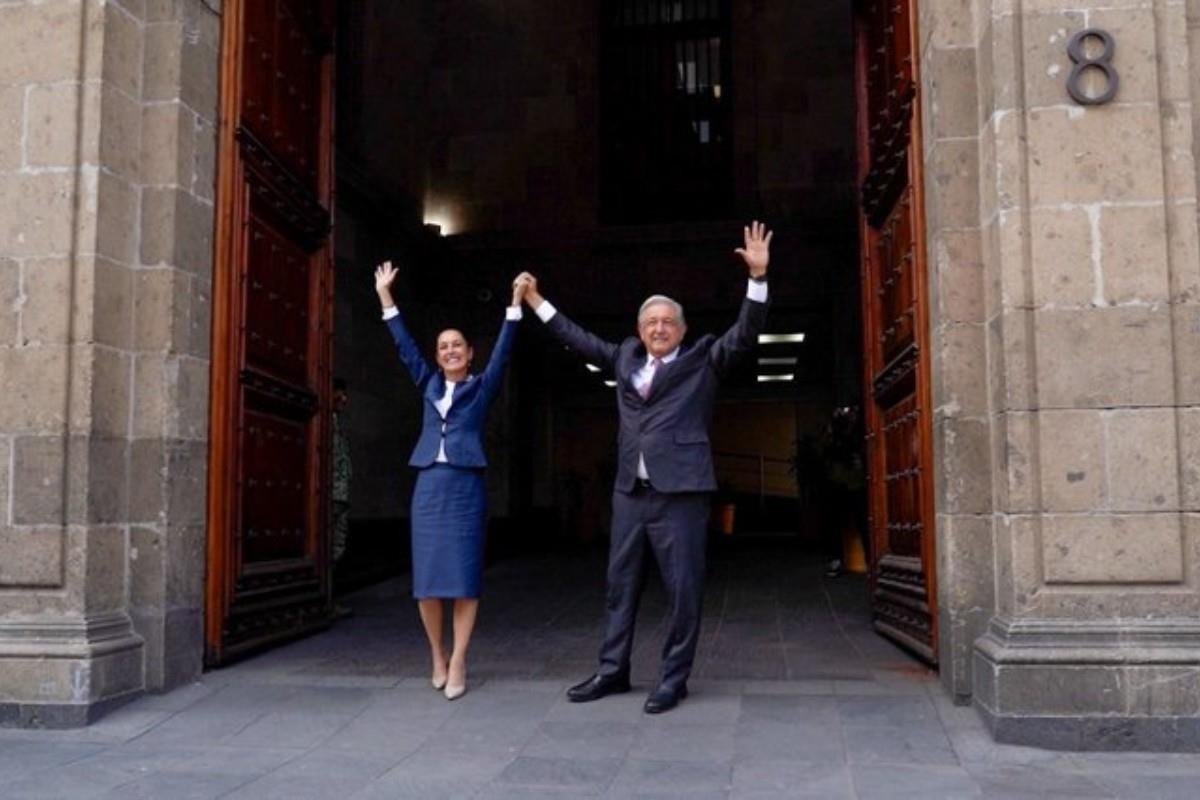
[259,64]
[277,309]
[275,486]
[895,327]
[268,576]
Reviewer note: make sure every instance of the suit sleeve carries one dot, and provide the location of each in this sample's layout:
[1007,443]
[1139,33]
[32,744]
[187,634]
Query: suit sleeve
[587,344]
[410,354]
[494,373]
[741,338]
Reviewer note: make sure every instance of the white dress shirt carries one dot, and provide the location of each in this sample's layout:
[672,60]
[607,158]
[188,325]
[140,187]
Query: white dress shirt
[755,290]
[641,380]
[443,408]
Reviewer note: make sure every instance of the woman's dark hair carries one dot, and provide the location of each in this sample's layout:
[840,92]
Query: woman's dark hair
[461,333]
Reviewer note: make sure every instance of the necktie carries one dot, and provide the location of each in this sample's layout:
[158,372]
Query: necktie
[645,390]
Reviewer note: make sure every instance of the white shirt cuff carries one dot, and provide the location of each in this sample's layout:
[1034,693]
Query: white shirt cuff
[546,311]
[389,312]
[512,313]
[757,291]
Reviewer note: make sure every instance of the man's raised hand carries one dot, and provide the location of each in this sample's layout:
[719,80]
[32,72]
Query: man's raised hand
[756,251]
[385,274]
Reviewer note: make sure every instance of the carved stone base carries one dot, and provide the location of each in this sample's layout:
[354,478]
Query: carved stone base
[1128,685]
[66,673]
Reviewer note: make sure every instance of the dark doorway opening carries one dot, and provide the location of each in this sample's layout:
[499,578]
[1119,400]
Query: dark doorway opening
[476,142]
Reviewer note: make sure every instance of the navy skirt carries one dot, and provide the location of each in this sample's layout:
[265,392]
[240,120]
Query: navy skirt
[449,515]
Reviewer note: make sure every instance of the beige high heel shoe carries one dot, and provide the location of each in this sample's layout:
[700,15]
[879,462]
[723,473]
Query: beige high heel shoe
[440,685]
[454,692]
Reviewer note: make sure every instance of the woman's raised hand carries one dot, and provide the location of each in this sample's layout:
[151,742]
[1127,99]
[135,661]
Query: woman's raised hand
[385,274]
[520,288]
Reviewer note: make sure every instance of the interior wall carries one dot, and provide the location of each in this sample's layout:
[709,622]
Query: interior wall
[514,101]
[383,136]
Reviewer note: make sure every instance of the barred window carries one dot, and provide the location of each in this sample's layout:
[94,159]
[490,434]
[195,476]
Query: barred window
[665,111]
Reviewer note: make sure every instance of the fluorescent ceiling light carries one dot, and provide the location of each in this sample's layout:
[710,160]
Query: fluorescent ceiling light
[780,338]
[611,384]
[775,378]
[592,368]
[777,361]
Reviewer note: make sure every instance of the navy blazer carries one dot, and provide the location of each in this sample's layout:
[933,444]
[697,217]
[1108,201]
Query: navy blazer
[464,424]
[670,427]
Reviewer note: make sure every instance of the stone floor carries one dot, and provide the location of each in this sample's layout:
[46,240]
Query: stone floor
[793,696]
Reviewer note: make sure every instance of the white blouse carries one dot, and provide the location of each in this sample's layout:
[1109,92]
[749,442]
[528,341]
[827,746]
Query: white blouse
[443,407]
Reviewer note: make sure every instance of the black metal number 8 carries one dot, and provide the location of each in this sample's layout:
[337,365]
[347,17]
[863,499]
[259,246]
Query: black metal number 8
[1082,62]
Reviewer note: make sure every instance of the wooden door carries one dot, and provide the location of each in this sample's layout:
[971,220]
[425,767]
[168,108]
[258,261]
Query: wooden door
[268,563]
[895,326]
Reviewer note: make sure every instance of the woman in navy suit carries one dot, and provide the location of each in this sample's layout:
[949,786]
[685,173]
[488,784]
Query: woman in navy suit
[449,505]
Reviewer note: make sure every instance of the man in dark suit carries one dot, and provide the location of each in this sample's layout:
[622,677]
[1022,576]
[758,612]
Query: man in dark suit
[665,396]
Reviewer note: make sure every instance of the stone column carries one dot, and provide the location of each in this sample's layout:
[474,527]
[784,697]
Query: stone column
[962,425]
[103,349]
[1089,231]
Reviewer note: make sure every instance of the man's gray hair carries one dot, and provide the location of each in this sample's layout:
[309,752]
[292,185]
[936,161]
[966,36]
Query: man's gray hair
[656,299]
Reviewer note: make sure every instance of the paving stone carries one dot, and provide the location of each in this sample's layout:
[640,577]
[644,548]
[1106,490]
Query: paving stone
[581,740]
[889,711]
[321,773]
[434,773]
[175,700]
[681,777]
[1146,785]
[299,728]
[141,758]
[560,773]
[787,778]
[705,743]
[918,783]
[887,745]
[20,756]
[1014,782]
[790,710]
[177,786]
[807,742]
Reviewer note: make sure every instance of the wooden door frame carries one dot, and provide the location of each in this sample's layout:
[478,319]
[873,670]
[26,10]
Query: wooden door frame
[922,333]
[223,453]
[229,244]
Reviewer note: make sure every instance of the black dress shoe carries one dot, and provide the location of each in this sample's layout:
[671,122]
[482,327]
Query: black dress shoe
[598,686]
[664,699]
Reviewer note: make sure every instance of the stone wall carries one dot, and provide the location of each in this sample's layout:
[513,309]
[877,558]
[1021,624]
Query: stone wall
[1091,273]
[951,77]
[106,176]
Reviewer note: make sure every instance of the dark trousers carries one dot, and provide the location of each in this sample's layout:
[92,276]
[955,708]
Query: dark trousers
[674,527]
